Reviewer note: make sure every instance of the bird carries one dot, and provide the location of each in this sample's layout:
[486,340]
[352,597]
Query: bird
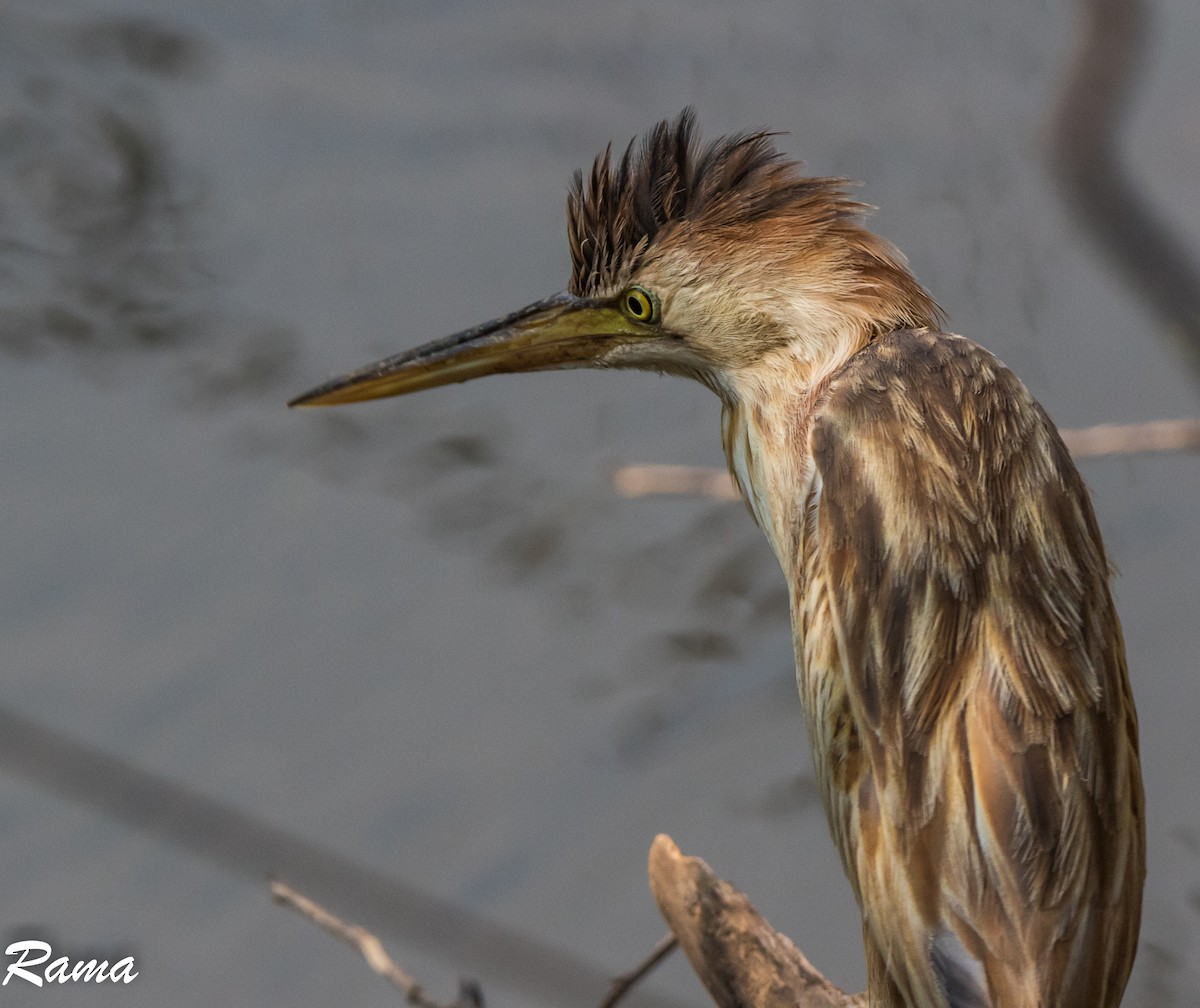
[959,658]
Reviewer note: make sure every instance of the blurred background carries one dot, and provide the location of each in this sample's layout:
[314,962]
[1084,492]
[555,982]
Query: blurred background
[419,656]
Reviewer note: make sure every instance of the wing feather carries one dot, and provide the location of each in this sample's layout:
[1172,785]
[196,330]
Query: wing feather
[963,672]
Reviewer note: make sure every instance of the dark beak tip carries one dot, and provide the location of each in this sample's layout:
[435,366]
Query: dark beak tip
[316,397]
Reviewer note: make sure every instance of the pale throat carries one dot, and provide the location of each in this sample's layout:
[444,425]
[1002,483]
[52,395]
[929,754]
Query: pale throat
[765,433]
[765,421]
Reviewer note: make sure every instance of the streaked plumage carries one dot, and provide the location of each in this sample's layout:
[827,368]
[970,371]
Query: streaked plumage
[958,654]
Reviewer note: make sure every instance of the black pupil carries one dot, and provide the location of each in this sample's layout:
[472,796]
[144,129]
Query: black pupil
[635,306]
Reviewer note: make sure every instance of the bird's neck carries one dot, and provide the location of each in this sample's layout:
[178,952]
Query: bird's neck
[768,410]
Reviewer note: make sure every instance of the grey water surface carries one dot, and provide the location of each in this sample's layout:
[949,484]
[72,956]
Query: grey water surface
[419,656]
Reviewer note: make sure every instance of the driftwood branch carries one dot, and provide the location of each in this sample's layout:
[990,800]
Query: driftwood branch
[1084,442]
[741,960]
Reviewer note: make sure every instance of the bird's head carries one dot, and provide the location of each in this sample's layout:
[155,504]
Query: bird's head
[713,262]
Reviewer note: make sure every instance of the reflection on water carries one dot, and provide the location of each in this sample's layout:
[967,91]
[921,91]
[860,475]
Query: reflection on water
[97,252]
[140,44]
[103,248]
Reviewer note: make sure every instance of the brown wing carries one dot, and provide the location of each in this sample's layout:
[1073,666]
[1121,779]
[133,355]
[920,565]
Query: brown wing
[964,674]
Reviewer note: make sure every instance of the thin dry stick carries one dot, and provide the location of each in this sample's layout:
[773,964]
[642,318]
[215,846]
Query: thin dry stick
[626,981]
[371,949]
[1084,442]
[692,481]
[1134,439]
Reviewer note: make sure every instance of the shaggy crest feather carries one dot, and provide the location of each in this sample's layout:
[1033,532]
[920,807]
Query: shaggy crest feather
[622,207]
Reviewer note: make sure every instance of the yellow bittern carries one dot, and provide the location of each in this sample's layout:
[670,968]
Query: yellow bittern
[959,658]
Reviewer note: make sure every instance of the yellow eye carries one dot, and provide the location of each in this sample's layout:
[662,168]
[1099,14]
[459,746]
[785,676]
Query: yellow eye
[640,305]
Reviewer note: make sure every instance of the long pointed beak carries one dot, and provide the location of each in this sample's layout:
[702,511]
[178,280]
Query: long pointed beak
[560,332]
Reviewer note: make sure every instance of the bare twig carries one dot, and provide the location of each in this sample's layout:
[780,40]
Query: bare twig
[1084,442]
[738,956]
[371,949]
[692,481]
[625,982]
[1134,439]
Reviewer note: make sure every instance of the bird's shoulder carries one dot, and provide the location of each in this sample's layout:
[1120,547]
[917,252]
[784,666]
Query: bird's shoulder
[951,505]
[956,549]
[933,457]
[914,384]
